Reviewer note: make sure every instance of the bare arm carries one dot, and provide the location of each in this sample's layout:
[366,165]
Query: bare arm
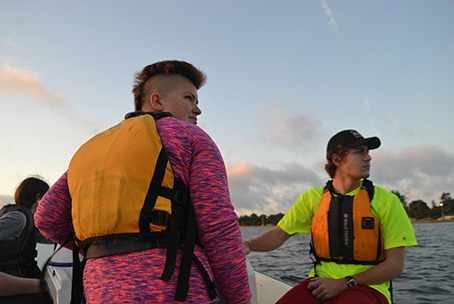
[11,285]
[267,241]
[388,270]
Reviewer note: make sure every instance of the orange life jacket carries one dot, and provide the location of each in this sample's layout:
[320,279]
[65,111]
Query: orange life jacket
[345,230]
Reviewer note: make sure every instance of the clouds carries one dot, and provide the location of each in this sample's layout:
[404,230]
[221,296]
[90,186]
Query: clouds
[290,56]
[14,81]
[331,21]
[294,132]
[27,83]
[427,171]
[268,190]
[9,42]
[43,128]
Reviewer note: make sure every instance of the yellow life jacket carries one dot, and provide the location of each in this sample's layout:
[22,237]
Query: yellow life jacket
[109,178]
[345,230]
[125,198]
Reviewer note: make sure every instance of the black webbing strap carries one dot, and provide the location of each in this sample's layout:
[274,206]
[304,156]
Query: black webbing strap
[186,259]
[347,228]
[335,225]
[173,241]
[211,285]
[314,256]
[109,245]
[77,290]
[391,290]
[153,191]
[186,262]
[369,186]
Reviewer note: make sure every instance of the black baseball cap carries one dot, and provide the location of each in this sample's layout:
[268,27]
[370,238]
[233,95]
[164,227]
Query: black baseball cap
[350,139]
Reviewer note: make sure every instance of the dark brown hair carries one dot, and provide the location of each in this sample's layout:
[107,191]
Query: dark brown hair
[168,68]
[330,166]
[29,190]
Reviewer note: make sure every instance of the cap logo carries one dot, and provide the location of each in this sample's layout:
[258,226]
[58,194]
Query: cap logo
[356,134]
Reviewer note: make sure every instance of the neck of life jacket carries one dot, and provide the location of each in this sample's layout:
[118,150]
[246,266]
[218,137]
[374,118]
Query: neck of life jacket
[344,229]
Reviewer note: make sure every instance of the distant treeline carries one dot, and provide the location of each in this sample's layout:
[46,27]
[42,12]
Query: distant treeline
[419,210]
[416,210]
[262,220]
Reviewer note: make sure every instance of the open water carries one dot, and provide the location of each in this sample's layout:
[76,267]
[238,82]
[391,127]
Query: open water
[428,272]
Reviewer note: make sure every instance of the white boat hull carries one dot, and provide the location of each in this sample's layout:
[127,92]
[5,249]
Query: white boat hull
[264,289]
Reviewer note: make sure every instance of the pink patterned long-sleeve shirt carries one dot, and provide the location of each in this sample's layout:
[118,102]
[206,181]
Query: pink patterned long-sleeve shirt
[135,277]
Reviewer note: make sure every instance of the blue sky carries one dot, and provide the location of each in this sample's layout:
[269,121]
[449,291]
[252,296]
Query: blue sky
[283,77]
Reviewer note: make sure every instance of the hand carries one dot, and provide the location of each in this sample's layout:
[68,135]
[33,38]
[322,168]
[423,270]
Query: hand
[246,247]
[324,288]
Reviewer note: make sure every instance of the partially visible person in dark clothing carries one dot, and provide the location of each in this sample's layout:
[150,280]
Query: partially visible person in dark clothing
[18,240]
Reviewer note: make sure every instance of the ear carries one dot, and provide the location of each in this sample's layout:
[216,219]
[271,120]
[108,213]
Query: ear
[156,102]
[336,159]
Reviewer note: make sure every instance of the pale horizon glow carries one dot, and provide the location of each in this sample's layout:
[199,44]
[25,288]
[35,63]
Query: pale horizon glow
[282,78]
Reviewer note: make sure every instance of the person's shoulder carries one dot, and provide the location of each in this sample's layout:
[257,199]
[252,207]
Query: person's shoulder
[317,191]
[14,216]
[384,197]
[312,194]
[182,129]
[15,210]
[383,192]
[175,123]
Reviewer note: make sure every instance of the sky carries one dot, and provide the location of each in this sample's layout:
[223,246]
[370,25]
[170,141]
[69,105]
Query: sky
[282,78]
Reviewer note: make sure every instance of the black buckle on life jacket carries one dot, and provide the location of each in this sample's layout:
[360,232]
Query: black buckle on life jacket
[161,240]
[160,217]
[180,197]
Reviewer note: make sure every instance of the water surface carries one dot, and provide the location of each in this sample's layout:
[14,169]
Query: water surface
[428,273]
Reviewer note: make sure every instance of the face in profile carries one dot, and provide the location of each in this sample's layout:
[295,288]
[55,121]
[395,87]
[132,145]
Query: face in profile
[356,164]
[182,101]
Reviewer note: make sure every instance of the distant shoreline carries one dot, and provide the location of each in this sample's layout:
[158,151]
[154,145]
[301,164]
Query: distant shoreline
[432,221]
[413,222]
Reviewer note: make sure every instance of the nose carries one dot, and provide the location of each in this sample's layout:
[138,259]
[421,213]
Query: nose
[197,110]
[368,157]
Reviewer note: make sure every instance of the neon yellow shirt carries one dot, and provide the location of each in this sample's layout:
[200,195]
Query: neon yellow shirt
[387,208]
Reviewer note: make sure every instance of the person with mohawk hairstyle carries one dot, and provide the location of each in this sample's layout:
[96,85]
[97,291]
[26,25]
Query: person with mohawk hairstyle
[150,205]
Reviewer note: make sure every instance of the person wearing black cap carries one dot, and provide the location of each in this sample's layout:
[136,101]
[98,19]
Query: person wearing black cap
[359,230]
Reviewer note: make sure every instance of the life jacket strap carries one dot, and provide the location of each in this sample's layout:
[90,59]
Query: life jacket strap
[211,285]
[171,252]
[77,290]
[160,217]
[119,244]
[187,258]
[153,191]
